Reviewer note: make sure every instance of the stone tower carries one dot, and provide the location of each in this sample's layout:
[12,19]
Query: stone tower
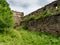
[17,17]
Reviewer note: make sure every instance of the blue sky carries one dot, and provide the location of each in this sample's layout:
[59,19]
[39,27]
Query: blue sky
[27,6]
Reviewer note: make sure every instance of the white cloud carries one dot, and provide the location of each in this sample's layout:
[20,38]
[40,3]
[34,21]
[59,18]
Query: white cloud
[27,6]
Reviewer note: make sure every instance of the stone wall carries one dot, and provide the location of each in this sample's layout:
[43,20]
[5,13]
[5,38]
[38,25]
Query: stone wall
[52,7]
[17,18]
[49,24]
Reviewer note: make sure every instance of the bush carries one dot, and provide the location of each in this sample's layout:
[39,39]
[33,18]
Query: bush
[29,18]
[5,15]
[25,27]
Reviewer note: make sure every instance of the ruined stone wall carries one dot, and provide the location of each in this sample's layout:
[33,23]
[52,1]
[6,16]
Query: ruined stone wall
[52,7]
[17,17]
[49,24]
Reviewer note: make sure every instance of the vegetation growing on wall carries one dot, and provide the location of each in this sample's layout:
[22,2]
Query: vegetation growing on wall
[43,14]
[58,10]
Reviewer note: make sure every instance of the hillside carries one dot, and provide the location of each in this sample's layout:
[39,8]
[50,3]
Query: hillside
[21,36]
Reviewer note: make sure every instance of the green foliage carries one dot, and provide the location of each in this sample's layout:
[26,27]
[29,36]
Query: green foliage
[10,37]
[29,18]
[5,15]
[58,10]
[22,36]
[24,27]
[38,16]
[43,14]
[38,38]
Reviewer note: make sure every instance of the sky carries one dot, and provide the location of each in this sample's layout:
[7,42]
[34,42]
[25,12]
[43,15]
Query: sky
[27,6]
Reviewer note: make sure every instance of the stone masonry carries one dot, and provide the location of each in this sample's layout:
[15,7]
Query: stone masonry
[17,18]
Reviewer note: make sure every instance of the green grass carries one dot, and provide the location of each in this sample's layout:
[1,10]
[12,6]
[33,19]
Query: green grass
[21,36]
[10,37]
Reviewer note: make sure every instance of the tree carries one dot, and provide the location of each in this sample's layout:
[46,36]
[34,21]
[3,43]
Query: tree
[6,17]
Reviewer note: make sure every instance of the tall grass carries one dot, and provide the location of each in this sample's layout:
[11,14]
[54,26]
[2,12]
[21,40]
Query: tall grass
[38,38]
[22,36]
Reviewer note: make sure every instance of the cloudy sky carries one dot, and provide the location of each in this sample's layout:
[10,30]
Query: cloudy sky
[27,6]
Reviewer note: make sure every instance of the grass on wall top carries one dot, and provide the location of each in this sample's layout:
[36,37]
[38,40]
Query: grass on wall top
[42,14]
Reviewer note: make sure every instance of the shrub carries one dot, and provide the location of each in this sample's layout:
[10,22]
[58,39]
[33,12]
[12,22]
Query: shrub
[29,18]
[5,15]
[25,27]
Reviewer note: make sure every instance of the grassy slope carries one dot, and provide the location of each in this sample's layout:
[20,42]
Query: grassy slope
[24,37]
[11,37]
